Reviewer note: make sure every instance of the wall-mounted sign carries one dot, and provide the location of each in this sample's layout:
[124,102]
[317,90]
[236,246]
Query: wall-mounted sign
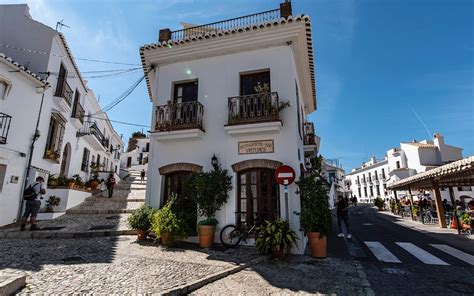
[255,147]
[14,179]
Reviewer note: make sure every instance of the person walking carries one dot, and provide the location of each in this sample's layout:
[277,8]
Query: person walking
[32,196]
[342,216]
[111,184]
[142,175]
[102,187]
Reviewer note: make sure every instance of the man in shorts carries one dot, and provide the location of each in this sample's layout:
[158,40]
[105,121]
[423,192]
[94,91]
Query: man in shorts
[32,206]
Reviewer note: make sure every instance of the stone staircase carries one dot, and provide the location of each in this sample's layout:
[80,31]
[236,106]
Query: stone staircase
[128,196]
[96,216]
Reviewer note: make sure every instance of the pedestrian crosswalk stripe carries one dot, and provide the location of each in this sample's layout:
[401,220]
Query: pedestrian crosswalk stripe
[455,252]
[381,253]
[421,254]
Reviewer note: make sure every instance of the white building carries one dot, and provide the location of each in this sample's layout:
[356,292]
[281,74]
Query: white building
[64,119]
[137,158]
[370,180]
[203,83]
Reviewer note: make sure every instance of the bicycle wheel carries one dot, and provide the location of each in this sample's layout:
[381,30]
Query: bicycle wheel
[230,236]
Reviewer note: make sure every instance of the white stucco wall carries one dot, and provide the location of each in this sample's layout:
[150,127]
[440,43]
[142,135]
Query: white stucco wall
[22,93]
[219,78]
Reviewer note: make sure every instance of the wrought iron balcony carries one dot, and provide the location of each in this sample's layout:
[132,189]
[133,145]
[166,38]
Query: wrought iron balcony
[238,22]
[4,127]
[309,134]
[66,93]
[253,108]
[78,112]
[179,116]
[94,130]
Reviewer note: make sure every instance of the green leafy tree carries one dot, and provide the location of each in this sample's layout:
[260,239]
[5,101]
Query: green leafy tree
[210,192]
[315,215]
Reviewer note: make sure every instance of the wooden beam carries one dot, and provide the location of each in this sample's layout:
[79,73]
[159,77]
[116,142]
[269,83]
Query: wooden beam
[439,205]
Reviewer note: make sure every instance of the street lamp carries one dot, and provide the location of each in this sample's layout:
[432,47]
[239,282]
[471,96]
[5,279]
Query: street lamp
[214,162]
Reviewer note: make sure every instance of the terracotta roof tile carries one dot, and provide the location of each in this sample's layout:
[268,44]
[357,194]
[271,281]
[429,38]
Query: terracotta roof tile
[23,69]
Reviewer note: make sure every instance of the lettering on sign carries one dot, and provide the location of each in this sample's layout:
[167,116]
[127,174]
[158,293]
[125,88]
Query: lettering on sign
[255,147]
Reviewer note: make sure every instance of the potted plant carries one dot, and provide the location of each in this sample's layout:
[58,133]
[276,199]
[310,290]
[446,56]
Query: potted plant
[52,202]
[379,203]
[95,168]
[165,224]
[70,182]
[210,191]
[276,237]
[465,220]
[78,181]
[53,180]
[315,215]
[140,220]
[62,181]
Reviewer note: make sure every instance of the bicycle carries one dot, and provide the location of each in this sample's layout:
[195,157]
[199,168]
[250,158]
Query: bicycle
[231,235]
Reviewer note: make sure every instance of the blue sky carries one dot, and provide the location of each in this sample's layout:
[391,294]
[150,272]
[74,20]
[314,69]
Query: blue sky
[378,62]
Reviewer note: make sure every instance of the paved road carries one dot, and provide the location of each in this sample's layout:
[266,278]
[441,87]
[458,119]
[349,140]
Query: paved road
[402,261]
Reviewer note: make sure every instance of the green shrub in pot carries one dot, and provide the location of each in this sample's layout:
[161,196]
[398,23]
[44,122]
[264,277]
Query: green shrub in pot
[275,236]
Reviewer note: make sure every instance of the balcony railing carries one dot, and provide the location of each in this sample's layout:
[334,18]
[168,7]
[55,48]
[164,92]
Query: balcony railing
[238,22]
[78,112]
[4,127]
[179,116]
[66,93]
[253,108]
[94,130]
[308,129]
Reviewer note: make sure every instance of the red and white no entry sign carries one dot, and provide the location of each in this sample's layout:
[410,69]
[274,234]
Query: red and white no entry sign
[285,175]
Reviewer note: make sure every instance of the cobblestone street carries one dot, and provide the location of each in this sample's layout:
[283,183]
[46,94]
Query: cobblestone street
[111,265]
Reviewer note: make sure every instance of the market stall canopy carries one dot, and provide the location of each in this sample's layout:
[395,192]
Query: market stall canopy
[458,173]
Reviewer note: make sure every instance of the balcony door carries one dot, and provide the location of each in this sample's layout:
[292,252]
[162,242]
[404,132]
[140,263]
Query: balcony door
[248,82]
[258,196]
[185,92]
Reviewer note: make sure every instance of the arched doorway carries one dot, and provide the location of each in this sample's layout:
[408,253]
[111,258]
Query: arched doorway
[66,159]
[175,177]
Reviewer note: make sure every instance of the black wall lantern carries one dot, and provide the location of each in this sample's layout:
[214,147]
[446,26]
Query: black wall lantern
[215,162]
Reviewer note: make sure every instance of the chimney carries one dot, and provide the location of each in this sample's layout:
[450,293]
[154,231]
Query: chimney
[164,35]
[285,9]
[438,140]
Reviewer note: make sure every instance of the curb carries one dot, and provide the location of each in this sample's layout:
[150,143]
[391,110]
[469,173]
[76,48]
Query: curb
[10,283]
[192,286]
[39,234]
[97,212]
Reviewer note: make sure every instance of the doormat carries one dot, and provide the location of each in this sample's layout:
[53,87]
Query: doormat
[102,227]
[52,228]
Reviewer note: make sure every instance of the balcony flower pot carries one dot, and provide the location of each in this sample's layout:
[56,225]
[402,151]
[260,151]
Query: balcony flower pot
[317,244]
[206,235]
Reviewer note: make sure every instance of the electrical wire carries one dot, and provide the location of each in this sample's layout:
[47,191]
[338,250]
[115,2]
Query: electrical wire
[61,56]
[124,95]
[120,122]
[96,76]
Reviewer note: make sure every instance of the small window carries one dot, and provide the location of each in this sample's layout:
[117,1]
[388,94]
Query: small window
[3,90]
[300,126]
[185,92]
[3,172]
[249,82]
[398,164]
[85,160]
[360,193]
[61,81]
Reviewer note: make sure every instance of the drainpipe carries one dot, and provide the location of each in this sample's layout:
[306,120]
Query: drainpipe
[30,155]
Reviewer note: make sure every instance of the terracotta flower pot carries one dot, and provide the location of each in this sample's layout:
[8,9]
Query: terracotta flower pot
[71,184]
[317,244]
[94,184]
[206,235]
[141,234]
[165,238]
[280,254]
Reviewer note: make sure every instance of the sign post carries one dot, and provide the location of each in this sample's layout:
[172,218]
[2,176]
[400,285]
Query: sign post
[285,175]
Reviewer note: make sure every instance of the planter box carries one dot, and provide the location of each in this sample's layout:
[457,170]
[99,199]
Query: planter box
[70,197]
